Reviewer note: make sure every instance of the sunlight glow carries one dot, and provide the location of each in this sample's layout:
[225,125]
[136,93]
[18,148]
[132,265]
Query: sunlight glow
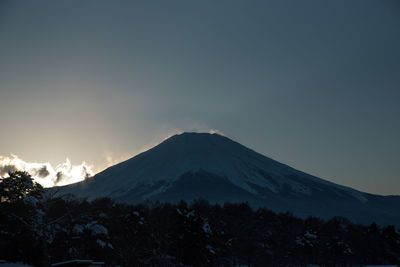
[45,173]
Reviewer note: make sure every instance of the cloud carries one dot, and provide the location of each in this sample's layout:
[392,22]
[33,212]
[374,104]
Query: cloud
[6,169]
[59,177]
[215,131]
[45,173]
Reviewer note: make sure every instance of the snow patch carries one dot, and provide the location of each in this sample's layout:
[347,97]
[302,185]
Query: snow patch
[207,228]
[78,229]
[97,229]
[101,243]
[299,188]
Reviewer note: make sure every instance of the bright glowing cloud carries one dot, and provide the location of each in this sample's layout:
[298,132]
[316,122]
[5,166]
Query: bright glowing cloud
[215,131]
[45,173]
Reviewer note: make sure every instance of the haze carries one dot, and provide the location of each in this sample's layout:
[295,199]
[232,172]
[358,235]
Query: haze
[313,84]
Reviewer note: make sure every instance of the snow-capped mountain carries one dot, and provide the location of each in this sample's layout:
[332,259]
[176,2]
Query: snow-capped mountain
[210,166]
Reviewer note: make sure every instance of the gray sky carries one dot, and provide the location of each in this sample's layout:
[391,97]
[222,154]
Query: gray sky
[313,84]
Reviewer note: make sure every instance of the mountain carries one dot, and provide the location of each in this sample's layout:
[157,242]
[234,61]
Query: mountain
[210,166]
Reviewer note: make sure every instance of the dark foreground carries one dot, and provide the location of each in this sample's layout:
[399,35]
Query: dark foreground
[40,231]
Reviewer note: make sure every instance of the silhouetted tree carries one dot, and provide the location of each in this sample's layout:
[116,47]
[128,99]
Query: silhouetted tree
[17,185]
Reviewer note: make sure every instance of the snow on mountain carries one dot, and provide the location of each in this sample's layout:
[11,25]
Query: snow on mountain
[211,166]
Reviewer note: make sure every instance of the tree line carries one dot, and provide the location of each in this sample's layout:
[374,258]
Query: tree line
[39,229]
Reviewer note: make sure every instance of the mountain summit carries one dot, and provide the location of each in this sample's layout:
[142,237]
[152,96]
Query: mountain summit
[189,166]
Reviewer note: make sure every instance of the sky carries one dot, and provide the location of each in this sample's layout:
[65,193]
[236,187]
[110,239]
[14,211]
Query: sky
[312,84]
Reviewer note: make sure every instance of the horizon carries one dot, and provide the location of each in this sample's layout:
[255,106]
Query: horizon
[86,85]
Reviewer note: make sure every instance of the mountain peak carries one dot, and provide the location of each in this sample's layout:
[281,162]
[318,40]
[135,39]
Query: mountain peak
[194,145]
[197,134]
[197,137]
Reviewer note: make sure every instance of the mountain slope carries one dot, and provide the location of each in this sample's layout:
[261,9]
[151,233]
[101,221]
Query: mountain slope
[211,166]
